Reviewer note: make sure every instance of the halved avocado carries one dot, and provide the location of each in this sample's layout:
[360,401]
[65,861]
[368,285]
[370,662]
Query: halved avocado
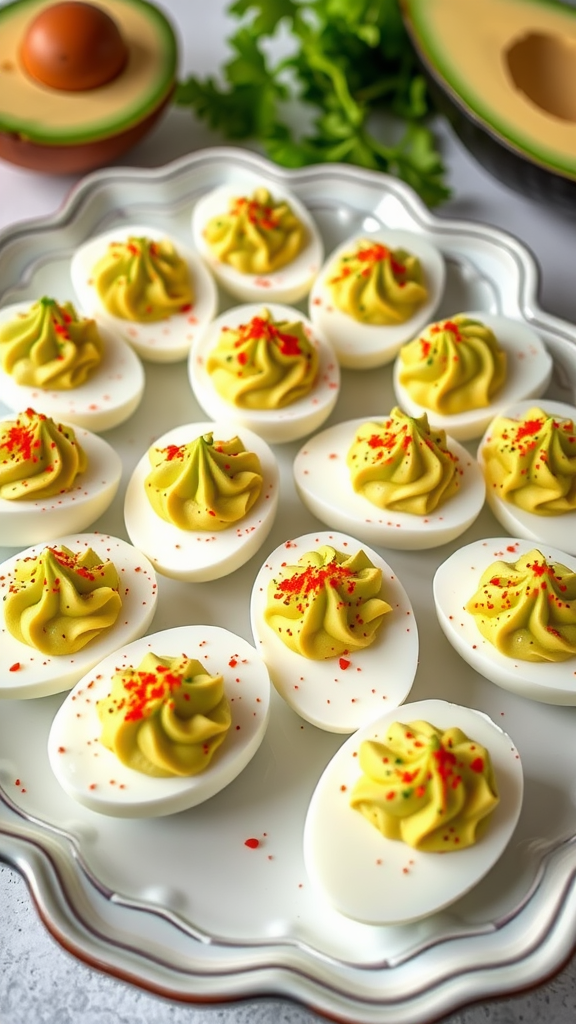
[504,72]
[62,130]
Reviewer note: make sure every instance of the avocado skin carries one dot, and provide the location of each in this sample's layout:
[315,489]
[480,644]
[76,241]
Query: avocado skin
[79,158]
[509,164]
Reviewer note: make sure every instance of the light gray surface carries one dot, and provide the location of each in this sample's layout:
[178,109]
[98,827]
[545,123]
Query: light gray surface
[39,982]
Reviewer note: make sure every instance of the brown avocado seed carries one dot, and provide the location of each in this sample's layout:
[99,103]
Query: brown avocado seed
[73,46]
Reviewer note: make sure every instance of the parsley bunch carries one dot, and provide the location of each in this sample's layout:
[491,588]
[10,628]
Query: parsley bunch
[351,59]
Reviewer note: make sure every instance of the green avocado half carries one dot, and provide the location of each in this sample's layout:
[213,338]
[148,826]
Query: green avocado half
[36,114]
[505,73]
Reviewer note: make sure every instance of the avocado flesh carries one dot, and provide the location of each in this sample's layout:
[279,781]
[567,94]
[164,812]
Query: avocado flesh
[38,114]
[511,65]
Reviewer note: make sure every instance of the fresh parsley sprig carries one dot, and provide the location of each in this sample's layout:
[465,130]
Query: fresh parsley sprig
[351,60]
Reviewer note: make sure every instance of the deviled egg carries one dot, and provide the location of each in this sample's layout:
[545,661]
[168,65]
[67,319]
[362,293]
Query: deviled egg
[378,880]
[323,477]
[528,457]
[147,288]
[215,475]
[65,365]
[509,609]
[326,594]
[143,753]
[267,369]
[39,587]
[463,370]
[53,480]
[374,292]
[260,244]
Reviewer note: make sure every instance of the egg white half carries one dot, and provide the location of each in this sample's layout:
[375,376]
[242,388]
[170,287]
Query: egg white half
[379,881]
[198,555]
[362,346]
[456,581]
[323,482]
[109,397]
[93,775]
[27,672]
[287,284]
[28,521]
[339,694]
[559,530]
[165,341]
[528,373]
[277,426]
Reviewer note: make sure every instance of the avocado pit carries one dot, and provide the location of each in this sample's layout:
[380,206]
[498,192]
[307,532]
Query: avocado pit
[74,46]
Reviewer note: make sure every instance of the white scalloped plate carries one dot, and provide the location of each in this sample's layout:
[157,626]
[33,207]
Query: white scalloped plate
[137,898]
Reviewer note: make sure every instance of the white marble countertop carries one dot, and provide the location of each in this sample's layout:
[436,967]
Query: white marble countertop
[40,983]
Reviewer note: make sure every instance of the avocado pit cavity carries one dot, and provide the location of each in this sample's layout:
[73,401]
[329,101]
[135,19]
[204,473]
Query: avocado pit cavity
[542,66]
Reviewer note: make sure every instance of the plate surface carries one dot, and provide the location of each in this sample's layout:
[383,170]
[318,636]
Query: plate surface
[183,905]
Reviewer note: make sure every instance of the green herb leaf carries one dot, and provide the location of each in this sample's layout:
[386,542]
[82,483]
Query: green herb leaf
[419,164]
[351,58]
[268,13]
